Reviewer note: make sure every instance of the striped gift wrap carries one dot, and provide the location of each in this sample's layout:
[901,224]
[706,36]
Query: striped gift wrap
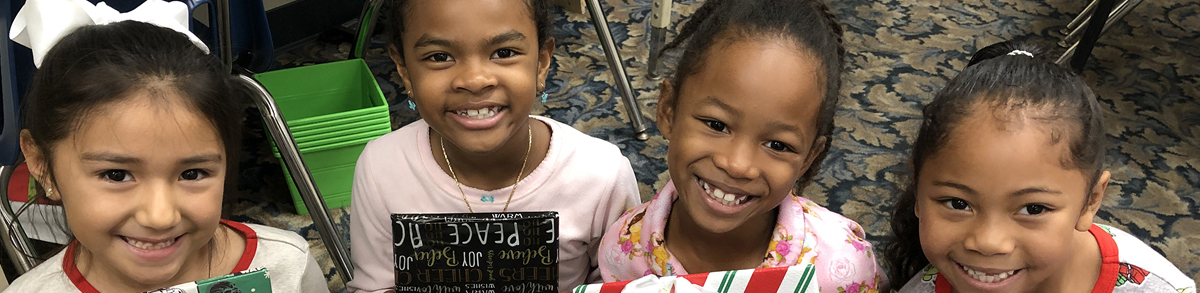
[793,279]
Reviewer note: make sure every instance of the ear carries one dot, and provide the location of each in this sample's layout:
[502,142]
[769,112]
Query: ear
[1093,204]
[543,65]
[665,115]
[816,148]
[400,66]
[37,163]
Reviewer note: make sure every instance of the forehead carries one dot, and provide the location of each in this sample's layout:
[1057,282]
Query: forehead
[1004,152]
[772,79]
[143,121]
[454,19]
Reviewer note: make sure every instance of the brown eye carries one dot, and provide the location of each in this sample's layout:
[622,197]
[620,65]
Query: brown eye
[193,174]
[957,204]
[116,175]
[778,146]
[1033,209]
[504,53]
[716,125]
[439,57]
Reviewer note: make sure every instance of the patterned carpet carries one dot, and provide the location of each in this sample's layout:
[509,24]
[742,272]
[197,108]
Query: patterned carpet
[899,52]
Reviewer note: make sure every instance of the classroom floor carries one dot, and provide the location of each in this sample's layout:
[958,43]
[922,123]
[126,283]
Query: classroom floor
[899,53]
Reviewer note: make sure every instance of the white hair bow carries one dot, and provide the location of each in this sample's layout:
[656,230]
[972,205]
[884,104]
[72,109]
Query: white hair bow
[41,23]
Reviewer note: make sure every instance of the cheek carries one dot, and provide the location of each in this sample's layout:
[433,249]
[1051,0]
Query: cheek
[937,236]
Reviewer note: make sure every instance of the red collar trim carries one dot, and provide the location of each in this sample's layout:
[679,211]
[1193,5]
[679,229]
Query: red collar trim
[1109,254]
[243,264]
[1111,262]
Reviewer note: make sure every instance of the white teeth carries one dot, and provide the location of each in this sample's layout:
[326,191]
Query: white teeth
[479,113]
[148,245]
[986,278]
[721,196]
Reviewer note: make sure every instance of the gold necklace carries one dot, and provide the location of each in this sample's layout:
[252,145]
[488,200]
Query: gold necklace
[442,144]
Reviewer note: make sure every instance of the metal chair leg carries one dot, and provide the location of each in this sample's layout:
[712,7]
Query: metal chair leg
[1081,18]
[304,181]
[660,19]
[1089,39]
[618,70]
[17,244]
[1079,30]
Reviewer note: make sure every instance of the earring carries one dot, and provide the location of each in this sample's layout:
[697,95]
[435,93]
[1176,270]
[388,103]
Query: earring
[49,192]
[544,95]
[411,106]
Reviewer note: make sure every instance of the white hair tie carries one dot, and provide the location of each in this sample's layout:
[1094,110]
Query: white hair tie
[1020,52]
[42,23]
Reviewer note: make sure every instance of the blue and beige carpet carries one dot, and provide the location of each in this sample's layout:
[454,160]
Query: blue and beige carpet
[899,52]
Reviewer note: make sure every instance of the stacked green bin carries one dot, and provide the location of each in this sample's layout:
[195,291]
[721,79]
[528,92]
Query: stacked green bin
[332,111]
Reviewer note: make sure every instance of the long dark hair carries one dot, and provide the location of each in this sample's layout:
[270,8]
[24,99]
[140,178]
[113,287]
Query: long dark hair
[100,65]
[1005,79]
[807,23]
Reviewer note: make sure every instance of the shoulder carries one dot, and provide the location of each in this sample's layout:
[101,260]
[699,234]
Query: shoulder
[819,218]
[923,282]
[46,277]
[395,142]
[1137,257]
[572,142]
[278,241]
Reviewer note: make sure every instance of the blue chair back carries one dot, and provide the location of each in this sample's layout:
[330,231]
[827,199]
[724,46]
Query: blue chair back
[16,71]
[250,36]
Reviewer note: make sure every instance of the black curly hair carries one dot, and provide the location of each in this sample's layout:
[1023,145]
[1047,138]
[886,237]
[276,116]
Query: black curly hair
[1005,78]
[807,23]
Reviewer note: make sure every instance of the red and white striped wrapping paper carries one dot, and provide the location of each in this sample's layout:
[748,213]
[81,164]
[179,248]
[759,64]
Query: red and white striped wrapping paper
[793,279]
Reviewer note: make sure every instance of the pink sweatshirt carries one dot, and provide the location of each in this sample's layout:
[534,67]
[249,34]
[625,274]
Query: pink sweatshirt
[585,179]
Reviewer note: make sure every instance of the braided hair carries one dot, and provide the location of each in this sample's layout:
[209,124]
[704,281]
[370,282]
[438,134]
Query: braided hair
[810,24]
[1006,78]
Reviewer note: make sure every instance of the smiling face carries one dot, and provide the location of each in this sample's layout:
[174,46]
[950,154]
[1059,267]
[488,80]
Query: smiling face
[473,67]
[742,132]
[141,182]
[999,212]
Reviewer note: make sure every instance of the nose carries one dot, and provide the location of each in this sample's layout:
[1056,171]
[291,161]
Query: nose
[474,76]
[157,208]
[737,159]
[988,238]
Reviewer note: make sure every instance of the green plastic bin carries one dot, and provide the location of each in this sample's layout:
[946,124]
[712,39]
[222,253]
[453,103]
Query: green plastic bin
[332,110]
[324,92]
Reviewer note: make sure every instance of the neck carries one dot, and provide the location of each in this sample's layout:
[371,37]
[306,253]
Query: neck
[201,264]
[1086,260]
[1080,271]
[496,169]
[700,250]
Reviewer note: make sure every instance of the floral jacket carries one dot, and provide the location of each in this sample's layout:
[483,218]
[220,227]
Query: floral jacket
[805,233]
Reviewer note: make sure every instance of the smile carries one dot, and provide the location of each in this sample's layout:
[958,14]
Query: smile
[986,277]
[723,197]
[479,113]
[149,244]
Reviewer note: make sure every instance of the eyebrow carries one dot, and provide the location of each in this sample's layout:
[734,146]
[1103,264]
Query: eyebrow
[203,158]
[427,40]
[1022,192]
[123,159]
[725,107]
[110,157]
[509,36]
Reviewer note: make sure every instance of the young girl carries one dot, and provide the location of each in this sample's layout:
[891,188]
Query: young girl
[749,120]
[132,128]
[474,69]
[1007,176]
